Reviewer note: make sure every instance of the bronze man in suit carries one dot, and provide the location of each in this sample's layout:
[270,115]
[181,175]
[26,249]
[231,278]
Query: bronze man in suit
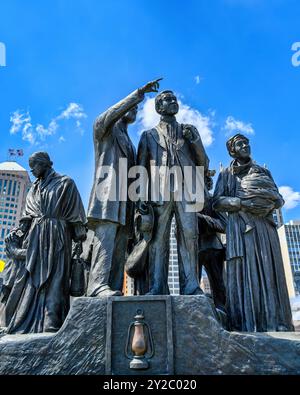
[172,144]
[110,215]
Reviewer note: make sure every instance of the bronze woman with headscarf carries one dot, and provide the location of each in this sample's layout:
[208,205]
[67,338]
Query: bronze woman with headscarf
[257,296]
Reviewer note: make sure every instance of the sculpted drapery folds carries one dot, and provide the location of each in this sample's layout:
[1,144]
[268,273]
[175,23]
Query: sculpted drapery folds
[57,217]
[14,276]
[257,297]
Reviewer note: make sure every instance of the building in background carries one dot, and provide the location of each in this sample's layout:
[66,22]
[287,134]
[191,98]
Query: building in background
[14,185]
[173,278]
[278,217]
[289,236]
[128,285]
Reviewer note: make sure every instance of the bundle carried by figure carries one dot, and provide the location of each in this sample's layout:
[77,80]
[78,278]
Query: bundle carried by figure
[258,192]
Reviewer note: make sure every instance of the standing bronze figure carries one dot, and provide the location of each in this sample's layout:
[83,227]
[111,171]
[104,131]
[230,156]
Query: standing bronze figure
[110,215]
[212,250]
[15,273]
[57,217]
[257,297]
[171,144]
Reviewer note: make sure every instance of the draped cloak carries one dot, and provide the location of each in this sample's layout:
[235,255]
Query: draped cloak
[257,296]
[57,214]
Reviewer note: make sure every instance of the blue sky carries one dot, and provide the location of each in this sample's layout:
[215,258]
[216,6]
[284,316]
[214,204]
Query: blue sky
[229,60]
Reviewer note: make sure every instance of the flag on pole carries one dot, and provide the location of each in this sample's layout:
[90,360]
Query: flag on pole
[12,152]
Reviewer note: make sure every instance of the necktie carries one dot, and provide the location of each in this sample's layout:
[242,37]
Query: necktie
[172,142]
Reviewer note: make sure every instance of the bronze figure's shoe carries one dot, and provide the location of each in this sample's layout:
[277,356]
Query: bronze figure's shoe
[153,292]
[105,292]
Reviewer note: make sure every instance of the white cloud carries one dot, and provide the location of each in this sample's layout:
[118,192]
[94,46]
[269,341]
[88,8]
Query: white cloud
[149,118]
[292,198]
[203,123]
[147,115]
[21,122]
[28,133]
[232,125]
[43,132]
[18,119]
[61,139]
[74,111]
[52,127]
[198,79]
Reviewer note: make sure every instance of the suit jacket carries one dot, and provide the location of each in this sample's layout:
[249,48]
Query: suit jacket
[111,142]
[155,149]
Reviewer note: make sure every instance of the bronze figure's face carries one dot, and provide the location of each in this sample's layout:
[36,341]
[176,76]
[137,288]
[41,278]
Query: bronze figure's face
[38,168]
[130,116]
[167,104]
[242,149]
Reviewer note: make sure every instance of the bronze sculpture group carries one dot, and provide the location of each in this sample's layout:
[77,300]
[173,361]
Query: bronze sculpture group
[133,234]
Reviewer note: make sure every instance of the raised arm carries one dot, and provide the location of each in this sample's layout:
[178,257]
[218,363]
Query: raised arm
[213,224]
[104,122]
[221,201]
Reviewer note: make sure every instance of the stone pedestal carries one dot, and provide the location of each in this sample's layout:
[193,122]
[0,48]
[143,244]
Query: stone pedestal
[186,337]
